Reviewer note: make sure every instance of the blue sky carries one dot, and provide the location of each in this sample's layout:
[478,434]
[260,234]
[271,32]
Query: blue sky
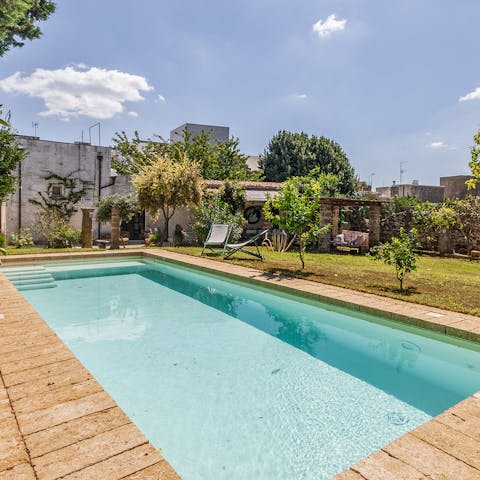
[382,78]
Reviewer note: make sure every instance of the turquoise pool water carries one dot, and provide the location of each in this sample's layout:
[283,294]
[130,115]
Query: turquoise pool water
[236,382]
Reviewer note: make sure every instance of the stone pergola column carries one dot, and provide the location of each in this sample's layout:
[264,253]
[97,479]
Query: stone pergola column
[374,226]
[335,218]
[115,232]
[326,212]
[87,224]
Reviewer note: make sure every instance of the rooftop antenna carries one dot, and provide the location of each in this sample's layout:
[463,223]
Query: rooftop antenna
[403,169]
[90,132]
[35,126]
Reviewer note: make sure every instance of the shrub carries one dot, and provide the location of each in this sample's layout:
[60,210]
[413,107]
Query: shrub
[399,252]
[3,240]
[55,231]
[213,210]
[23,238]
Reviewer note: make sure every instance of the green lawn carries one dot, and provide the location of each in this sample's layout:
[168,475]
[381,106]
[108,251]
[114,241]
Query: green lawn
[449,283]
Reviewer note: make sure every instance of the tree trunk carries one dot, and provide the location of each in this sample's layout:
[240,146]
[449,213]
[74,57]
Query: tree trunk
[115,232]
[301,254]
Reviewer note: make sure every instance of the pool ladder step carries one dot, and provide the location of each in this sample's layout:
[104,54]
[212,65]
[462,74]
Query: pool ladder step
[32,279]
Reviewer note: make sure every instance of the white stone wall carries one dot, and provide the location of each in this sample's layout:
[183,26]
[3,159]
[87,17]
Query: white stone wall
[44,157]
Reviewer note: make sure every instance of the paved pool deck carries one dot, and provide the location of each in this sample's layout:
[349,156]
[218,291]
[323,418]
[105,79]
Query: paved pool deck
[56,421]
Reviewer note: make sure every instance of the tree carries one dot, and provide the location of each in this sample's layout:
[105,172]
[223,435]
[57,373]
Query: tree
[17,21]
[166,185]
[467,216]
[399,252]
[291,154]
[11,154]
[217,160]
[474,163]
[430,219]
[296,209]
[115,209]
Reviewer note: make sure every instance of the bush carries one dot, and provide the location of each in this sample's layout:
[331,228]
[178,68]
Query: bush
[214,210]
[3,240]
[22,239]
[55,231]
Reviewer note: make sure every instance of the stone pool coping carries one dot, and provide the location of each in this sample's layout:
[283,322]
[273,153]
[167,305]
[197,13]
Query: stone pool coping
[56,421]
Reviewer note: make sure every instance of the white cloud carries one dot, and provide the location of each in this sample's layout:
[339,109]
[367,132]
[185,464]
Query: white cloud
[324,28]
[67,93]
[301,96]
[133,114]
[437,145]
[161,98]
[475,95]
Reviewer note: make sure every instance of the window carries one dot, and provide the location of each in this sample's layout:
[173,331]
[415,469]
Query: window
[56,191]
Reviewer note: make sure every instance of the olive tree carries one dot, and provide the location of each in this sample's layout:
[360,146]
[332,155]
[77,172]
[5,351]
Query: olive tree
[115,209]
[165,185]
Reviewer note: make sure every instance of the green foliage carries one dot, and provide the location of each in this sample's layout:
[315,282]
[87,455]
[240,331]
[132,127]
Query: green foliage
[297,154]
[211,210]
[63,204]
[399,204]
[23,238]
[10,157]
[330,184]
[55,230]
[3,240]
[166,185]
[17,21]
[233,195]
[474,163]
[399,252]
[467,218]
[430,219]
[125,203]
[296,209]
[217,160]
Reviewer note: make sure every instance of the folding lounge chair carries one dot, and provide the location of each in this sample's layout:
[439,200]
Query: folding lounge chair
[231,248]
[217,237]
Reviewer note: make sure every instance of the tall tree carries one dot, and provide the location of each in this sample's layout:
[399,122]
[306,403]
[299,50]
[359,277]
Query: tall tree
[217,160]
[11,154]
[290,154]
[18,21]
[475,162]
[166,185]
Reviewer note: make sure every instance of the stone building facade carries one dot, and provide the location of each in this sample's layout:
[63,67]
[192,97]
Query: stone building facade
[455,187]
[426,193]
[87,165]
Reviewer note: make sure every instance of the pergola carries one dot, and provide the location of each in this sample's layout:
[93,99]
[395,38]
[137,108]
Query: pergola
[330,210]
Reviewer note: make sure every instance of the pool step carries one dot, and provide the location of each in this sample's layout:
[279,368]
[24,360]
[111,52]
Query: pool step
[31,279]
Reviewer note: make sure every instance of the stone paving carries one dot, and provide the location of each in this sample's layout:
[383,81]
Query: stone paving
[56,421]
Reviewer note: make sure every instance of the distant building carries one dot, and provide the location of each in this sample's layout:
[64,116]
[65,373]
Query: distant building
[217,133]
[426,193]
[253,162]
[455,186]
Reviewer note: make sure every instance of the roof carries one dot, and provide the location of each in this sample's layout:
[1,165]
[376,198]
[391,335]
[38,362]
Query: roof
[275,186]
[259,195]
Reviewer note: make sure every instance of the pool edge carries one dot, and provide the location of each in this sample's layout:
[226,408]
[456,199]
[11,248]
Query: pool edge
[447,445]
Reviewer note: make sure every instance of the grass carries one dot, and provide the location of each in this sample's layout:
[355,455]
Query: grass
[447,283]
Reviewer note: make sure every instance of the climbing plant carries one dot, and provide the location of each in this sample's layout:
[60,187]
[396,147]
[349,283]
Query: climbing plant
[62,202]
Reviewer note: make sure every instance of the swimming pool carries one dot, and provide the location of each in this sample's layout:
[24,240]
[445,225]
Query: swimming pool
[238,382]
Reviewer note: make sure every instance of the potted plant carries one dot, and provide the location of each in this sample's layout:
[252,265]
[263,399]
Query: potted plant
[178,235]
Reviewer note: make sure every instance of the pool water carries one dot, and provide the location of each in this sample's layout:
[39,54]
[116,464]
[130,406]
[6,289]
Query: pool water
[238,382]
